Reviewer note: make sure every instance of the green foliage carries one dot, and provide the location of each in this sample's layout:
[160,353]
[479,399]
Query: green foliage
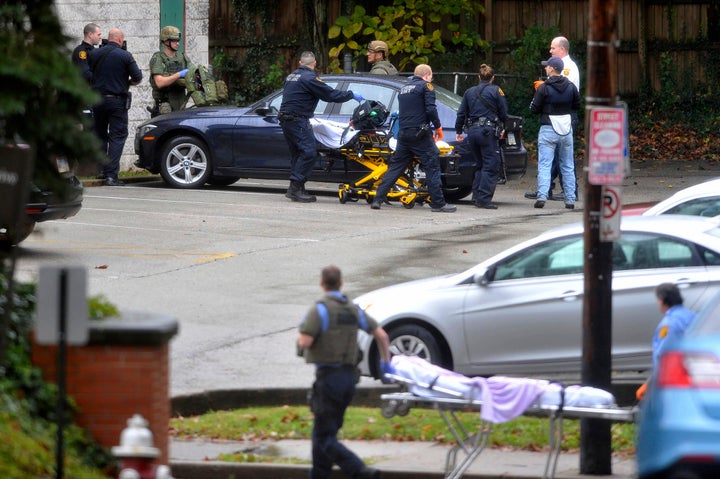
[99,308]
[254,76]
[413,30]
[42,93]
[28,404]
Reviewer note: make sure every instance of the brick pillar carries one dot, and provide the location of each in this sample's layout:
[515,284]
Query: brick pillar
[123,370]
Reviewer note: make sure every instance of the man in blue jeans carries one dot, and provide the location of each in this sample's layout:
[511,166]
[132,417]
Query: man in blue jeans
[556,100]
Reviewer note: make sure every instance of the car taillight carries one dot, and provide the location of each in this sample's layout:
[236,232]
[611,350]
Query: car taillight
[683,370]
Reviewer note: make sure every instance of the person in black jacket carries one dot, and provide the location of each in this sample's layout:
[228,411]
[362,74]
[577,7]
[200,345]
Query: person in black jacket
[481,115]
[92,36]
[302,91]
[555,101]
[114,70]
[417,111]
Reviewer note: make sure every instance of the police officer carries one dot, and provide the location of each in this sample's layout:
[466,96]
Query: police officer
[167,73]
[92,36]
[482,114]
[675,321]
[417,111]
[377,56]
[114,70]
[301,93]
[328,339]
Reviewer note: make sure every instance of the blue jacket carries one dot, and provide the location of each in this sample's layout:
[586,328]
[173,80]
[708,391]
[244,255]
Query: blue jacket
[113,70]
[304,89]
[482,101]
[416,103]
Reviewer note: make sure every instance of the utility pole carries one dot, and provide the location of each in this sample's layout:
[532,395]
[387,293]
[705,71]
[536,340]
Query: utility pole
[595,439]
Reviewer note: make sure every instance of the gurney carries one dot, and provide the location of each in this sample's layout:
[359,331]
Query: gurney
[373,149]
[498,399]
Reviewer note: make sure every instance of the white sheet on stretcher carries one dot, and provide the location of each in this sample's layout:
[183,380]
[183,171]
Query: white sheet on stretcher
[503,398]
[335,134]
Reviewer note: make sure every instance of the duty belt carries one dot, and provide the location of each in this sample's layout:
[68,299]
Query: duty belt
[482,121]
[282,116]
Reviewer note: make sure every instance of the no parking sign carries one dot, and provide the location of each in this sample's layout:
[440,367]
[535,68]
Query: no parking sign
[610,214]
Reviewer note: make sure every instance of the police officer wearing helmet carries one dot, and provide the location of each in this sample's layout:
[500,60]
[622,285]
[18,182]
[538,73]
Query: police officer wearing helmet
[114,70]
[302,91]
[167,73]
[417,112]
[377,56]
[328,339]
[481,115]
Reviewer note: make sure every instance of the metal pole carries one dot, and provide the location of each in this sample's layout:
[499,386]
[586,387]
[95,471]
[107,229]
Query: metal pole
[62,345]
[595,438]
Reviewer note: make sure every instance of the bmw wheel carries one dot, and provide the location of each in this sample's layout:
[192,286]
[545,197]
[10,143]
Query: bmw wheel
[186,163]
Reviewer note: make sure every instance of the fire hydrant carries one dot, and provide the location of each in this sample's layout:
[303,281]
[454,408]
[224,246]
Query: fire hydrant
[137,454]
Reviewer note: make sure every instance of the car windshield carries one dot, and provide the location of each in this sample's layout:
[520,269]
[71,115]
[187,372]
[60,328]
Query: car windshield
[698,207]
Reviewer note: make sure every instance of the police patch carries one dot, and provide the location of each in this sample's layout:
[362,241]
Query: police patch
[502,93]
[319,79]
[566,72]
[430,86]
[82,55]
[663,332]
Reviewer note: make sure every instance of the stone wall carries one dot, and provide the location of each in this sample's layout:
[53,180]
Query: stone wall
[140,21]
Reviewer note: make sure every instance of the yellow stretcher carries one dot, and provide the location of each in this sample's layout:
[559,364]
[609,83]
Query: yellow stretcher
[371,148]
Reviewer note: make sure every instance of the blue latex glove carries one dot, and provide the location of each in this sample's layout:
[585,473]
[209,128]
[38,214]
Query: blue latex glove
[358,97]
[183,73]
[386,368]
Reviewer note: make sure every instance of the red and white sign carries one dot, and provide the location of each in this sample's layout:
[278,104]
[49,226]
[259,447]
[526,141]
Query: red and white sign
[606,157]
[610,214]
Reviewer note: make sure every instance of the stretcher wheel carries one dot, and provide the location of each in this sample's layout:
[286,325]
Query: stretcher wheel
[343,195]
[409,205]
[388,409]
[403,408]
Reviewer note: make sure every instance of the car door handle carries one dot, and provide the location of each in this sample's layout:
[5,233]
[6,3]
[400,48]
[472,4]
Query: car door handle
[571,295]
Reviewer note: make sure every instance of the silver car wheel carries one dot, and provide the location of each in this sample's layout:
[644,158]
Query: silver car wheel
[409,345]
[185,163]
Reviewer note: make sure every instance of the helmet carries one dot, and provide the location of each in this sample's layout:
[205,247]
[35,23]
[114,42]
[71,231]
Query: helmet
[378,46]
[170,33]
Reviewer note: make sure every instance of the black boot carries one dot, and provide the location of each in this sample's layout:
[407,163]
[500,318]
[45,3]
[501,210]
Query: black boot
[297,192]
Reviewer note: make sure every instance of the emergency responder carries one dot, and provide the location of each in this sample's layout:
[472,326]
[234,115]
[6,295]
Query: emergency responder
[92,35]
[555,101]
[377,56]
[675,321]
[167,73]
[482,116]
[417,112]
[301,93]
[114,70]
[328,339]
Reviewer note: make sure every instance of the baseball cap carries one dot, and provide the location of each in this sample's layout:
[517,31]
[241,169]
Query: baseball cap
[555,62]
[378,46]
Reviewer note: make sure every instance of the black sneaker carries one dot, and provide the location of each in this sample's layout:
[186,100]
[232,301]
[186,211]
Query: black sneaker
[570,206]
[446,208]
[487,206]
[539,204]
[375,205]
[531,196]
[113,182]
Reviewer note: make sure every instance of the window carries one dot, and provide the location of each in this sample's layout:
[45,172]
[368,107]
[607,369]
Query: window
[708,207]
[383,94]
[561,256]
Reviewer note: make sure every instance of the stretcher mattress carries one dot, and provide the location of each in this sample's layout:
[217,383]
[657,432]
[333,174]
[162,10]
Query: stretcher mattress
[503,398]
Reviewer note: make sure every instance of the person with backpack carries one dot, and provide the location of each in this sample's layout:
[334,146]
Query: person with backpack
[168,68]
[328,339]
[481,115]
[556,101]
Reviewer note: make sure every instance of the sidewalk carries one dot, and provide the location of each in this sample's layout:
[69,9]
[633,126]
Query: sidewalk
[194,459]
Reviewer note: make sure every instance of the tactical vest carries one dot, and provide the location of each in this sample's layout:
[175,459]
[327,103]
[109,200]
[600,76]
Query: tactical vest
[171,66]
[337,341]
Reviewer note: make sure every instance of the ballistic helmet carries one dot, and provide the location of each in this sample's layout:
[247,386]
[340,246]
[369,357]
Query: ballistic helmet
[378,46]
[170,33]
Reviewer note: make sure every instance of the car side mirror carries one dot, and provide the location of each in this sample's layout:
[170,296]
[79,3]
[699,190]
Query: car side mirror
[266,111]
[483,278]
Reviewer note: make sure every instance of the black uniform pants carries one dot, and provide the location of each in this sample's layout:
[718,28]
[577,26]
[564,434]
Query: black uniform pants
[111,127]
[486,151]
[332,393]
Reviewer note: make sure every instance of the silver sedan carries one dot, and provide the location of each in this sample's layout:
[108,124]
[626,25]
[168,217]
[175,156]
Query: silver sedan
[520,312]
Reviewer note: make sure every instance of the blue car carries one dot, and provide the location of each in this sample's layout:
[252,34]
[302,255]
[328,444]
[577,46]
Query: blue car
[679,426]
[221,144]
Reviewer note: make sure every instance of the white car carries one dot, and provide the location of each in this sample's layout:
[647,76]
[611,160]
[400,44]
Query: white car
[699,200]
[520,312]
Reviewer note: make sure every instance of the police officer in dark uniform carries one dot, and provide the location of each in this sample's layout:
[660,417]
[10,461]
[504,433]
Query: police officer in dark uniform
[328,339]
[114,70]
[481,115]
[417,111]
[92,35]
[301,93]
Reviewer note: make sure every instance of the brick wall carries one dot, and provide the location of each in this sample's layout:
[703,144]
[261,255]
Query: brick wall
[124,370]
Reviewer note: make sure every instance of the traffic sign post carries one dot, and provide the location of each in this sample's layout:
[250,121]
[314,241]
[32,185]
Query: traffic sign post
[610,213]
[62,319]
[606,146]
